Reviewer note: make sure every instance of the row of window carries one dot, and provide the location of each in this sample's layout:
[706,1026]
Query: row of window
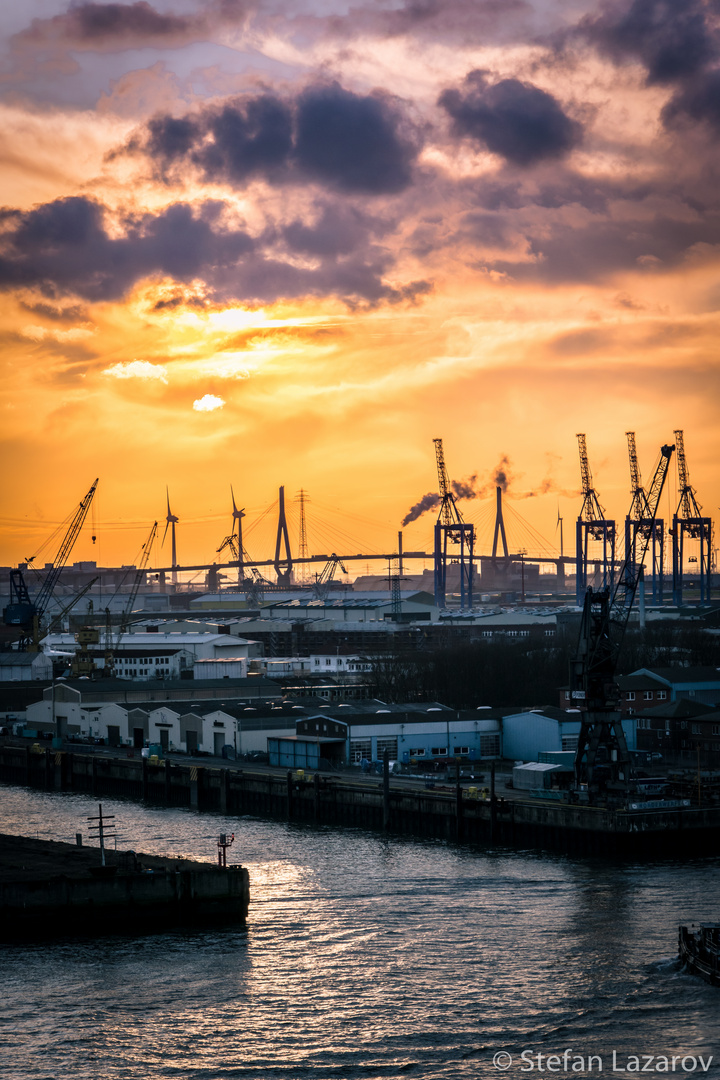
[515,633]
[648,695]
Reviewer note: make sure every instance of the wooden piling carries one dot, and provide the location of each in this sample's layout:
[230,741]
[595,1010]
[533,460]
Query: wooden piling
[195,779]
[289,792]
[316,796]
[386,789]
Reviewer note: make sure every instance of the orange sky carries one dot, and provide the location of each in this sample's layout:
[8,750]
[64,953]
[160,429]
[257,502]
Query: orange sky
[261,247]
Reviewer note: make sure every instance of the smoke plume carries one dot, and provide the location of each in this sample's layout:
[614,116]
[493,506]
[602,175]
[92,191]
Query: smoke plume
[426,503]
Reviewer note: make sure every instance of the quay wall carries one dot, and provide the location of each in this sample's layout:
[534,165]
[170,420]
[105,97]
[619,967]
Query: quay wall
[449,813]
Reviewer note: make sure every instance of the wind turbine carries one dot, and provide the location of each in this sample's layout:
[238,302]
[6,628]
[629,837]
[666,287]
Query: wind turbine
[237,516]
[171,520]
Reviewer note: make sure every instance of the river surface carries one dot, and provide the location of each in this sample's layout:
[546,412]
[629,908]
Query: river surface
[366,957]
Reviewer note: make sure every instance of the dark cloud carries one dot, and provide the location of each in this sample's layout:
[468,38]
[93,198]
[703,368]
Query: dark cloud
[65,248]
[523,124]
[246,140]
[349,142]
[353,142]
[699,100]
[93,21]
[109,26]
[673,39]
[71,313]
[338,230]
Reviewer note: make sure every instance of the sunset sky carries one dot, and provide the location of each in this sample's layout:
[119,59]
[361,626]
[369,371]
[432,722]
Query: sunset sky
[264,243]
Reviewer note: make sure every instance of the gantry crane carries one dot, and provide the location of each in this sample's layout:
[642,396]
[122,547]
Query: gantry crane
[639,523]
[602,761]
[323,580]
[27,614]
[591,525]
[111,648]
[688,521]
[451,529]
[235,541]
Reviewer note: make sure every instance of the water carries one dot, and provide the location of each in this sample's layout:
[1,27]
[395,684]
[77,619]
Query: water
[366,957]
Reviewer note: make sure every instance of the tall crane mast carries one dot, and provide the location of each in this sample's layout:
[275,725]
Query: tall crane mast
[591,525]
[324,580]
[449,512]
[132,597]
[26,613]
[639,521]
[639,505]
[688,521]
[451,528]
[602,744]
[688,506]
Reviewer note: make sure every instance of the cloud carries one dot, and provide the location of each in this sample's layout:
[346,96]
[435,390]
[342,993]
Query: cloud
[353,142]
[346,141]
[208,403]
[514,119]
[74,247]
[64,247]
[111,27]
[671,38]
[137,369]
[698,100]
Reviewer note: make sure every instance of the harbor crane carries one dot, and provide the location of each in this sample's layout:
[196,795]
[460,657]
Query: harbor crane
[28,614]
[602,760]
[639,523]
[323,580]
[451,529]
[591,525]
[235,541]
[688,521]
[111,652]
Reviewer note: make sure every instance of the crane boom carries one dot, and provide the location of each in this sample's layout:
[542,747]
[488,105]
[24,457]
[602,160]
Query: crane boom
[604,621]
[139,575]
[639,507]
[591,509]
[688,506]
[449,513]
[57,619]
[48,585]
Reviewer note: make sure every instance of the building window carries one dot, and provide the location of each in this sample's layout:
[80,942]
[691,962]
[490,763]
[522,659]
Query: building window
[647,695]
[360,749]
[549,633]
[328,662]
[716,729]
[387,744]
[439,751]
[490,746]
[696,729]
[569,742]
[630,695]
[512,633]
[662,695]
[645,724]
[419,752]
[524,633]
[462,750]
[487,633]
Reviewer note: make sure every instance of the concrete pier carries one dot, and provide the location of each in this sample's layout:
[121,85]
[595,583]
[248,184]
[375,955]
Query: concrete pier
[450,812]
[50,889]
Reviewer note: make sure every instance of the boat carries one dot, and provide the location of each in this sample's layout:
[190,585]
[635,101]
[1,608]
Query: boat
[700,951]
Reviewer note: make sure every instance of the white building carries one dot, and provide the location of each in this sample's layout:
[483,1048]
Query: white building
[25,667]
